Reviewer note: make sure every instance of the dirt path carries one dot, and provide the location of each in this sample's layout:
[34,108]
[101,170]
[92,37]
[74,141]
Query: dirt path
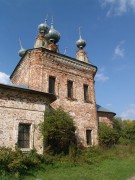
[132,178]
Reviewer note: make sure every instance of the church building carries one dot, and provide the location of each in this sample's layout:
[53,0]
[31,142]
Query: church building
[45,78]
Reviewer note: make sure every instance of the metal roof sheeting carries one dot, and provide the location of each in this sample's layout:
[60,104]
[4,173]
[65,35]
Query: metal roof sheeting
[102,109]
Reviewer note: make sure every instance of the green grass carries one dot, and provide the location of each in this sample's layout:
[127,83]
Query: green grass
[106,170]
[94,164]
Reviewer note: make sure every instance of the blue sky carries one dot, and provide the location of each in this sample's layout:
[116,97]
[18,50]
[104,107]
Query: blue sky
[108,26]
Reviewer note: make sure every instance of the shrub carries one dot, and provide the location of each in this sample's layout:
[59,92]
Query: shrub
[58,131]
[5,158]
[32,159]
[107,135]
[14,161]
[124,141]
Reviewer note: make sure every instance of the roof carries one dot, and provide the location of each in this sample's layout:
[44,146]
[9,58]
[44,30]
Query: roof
[102,109]
[52,97]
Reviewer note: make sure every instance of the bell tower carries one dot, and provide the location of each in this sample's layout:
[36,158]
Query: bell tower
[70,80]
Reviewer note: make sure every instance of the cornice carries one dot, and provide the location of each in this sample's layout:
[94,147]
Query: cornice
[60,58]
[70,62]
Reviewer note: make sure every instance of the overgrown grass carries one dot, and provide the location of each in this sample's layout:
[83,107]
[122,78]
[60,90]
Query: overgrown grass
[117,163]
[91,164]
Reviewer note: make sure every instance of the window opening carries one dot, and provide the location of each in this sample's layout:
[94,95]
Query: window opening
[24,136]
[70,89]
[86,96]
[88,136]
[51,84]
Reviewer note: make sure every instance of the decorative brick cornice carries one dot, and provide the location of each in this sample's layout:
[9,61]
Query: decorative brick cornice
[60,58]
[70,62]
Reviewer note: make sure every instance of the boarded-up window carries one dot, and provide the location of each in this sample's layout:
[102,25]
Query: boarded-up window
[51,84]
[24,136]
[86,94]
[88,136]
[70,89]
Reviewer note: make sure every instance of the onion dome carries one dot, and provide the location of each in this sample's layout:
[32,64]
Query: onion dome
[53,35]
[43,27]
[81,43]
[81,54]
[22,51]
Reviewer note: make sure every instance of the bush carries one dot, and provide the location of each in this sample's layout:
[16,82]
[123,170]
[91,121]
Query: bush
[58,131]
[14,161]
[124,141]
[32,159]
[5,158]
[107,135]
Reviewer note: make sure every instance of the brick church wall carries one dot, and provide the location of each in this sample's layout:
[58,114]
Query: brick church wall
[44,63]
[19,105]
[105,117]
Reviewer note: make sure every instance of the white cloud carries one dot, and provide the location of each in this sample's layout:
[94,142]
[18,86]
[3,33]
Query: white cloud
[100,76]
[129,113]
[118,7]
[119,50]
[4,78]
[132,4]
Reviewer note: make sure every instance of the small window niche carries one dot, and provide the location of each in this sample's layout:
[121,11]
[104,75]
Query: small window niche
[51,84]
[70,89]
[24,136]
[88,137]
[86,94]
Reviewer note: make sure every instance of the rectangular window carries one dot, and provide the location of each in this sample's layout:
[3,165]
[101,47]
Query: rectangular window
[70,89]
[24,136]
[86,94]
[51,84]
[88,136]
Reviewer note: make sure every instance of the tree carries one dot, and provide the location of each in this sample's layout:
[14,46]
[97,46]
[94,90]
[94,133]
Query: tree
[125,130]
[128,135]
[58,130]
[117,124]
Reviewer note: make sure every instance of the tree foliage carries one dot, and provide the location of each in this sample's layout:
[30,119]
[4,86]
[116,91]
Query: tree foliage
[117,124]
[58,130]
[128,132]
[122,132]
[125,129]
